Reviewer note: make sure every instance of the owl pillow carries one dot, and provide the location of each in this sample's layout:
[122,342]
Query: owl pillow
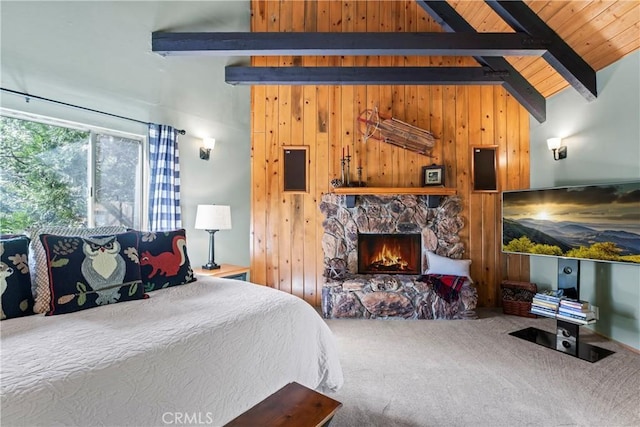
[38,262]
[85,272]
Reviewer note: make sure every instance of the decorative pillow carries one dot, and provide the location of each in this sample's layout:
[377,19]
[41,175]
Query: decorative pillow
[38,259]
[15,282]
[163,259]
[448,266]
[86,272]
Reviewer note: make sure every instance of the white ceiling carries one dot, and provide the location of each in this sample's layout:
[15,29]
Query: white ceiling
[98,54]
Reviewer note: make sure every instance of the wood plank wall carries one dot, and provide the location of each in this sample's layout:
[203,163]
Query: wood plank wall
[286,251]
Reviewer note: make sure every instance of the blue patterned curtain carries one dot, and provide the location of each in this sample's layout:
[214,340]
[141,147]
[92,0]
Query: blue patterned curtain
[164,174]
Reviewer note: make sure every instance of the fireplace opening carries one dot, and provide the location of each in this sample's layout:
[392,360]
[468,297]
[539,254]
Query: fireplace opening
[389,253]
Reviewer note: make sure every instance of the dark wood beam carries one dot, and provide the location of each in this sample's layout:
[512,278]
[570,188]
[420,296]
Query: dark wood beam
[353,44]
[362,76]
[515,84]
[560,55]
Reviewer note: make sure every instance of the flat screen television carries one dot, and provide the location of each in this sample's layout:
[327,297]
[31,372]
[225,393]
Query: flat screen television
[590,222]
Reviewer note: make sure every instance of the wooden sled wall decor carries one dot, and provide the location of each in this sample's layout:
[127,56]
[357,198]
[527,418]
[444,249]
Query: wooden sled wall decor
[396,132]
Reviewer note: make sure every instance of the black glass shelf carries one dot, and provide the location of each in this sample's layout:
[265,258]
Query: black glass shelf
[567,337]
[563,341]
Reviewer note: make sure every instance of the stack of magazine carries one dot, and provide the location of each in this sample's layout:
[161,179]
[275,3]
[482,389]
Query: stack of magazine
[554,304]
[577,311]
[546,303]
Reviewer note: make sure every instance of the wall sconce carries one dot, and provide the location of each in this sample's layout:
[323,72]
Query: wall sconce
[207,146]
[559,150]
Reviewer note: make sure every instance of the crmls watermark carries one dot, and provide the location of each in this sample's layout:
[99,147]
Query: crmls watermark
[187,418]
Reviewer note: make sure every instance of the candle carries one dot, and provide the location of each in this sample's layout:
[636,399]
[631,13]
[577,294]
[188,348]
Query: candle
[342,152]
[347,151]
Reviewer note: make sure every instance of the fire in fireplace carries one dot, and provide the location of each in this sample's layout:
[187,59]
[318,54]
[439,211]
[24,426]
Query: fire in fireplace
[389,253]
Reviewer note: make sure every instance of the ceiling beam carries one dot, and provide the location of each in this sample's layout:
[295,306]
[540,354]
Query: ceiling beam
[560,55]
[515,84]
[352,44]
[362,76]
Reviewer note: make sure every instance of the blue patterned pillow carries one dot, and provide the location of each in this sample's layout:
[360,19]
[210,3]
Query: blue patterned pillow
[86,272]
[163,259]
[15,281]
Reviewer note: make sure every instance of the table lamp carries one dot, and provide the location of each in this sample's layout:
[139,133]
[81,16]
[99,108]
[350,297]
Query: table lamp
[213,218]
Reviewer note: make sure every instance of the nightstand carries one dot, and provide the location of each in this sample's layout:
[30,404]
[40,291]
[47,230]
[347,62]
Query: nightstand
[228,271]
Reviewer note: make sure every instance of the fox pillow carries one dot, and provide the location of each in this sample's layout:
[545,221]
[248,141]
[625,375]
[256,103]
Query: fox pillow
[163,259]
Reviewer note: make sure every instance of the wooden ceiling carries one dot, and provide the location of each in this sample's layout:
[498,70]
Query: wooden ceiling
[601,32]
[575,38]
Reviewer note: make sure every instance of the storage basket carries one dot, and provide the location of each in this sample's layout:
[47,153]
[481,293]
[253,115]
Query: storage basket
[517,297]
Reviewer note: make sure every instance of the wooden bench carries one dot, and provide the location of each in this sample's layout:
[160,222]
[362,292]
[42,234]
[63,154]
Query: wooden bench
[293,405]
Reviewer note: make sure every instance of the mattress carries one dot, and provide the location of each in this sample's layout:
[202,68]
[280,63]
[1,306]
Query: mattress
[195,354]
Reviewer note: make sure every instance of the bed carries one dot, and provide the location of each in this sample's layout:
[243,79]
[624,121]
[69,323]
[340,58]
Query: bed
[203,352]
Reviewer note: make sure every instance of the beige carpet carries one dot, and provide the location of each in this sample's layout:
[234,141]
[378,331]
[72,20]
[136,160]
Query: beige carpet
[472,373]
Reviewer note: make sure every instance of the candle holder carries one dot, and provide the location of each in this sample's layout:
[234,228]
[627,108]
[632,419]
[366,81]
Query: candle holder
[345,162]
[348,181]
[360,183]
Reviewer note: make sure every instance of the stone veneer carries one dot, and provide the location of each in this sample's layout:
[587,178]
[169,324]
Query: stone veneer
[393,296]
[348,294]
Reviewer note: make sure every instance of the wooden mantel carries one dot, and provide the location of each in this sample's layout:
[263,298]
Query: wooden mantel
[428,191]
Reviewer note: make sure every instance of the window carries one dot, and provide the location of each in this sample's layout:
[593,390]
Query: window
[57,174]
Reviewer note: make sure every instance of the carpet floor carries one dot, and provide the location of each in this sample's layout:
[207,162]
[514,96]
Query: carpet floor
[421,373]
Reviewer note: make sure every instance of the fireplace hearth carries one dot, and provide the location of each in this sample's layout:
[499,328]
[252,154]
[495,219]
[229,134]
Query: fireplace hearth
[389,253]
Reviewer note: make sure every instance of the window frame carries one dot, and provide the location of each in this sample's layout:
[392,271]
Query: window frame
[94,131]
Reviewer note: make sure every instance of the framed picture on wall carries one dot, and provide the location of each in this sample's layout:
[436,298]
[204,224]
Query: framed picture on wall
[432,175]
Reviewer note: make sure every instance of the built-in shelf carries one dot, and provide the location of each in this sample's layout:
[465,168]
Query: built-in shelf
[429,191]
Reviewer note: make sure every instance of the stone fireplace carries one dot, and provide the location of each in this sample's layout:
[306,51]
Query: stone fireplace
[375,251]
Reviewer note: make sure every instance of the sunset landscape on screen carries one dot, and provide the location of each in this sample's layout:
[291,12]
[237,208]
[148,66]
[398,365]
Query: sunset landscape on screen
[596,222]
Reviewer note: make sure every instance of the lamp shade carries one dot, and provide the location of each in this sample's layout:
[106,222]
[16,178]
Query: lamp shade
[554,143]
[213,217]
[209,143]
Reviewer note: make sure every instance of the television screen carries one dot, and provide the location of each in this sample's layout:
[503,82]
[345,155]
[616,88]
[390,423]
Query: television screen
[593,222]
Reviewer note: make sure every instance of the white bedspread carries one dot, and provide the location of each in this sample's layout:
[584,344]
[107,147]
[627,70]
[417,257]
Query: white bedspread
[201,353]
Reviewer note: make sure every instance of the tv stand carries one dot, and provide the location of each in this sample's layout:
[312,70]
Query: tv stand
[567,337]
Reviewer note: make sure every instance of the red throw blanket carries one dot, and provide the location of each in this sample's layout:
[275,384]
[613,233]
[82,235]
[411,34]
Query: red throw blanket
[446,286]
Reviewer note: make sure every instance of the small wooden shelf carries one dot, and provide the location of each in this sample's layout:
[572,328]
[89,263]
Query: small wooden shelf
[429,191]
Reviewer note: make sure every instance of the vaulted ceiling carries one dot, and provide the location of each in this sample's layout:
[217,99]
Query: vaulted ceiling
[562,42]
[601,32]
